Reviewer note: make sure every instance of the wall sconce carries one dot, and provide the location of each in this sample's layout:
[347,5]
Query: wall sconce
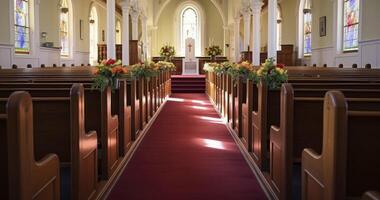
[64,10]
[92,21]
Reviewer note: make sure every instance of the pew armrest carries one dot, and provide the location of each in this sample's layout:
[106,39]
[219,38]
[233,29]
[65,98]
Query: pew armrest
[275,134]
[46,172]
[371,195]
[92,139]
[311,161]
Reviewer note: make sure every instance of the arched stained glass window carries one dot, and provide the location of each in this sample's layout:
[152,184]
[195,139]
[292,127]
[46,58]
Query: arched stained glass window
[190,29]
[22,29]
[94,36]
[64,28]
[307,17]
[351,25]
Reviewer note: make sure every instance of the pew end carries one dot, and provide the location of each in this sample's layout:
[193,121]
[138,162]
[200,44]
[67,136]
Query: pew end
[30,179]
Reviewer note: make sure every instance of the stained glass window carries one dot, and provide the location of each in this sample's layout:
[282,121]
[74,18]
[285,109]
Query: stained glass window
[307,32]
[190,29]
[351,25]
[22,39]
[64,29]
[93,36]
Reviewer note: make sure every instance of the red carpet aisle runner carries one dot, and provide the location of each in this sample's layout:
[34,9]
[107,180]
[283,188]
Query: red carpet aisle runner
[187,154]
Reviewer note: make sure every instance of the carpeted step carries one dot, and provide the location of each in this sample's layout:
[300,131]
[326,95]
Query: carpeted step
[188,84]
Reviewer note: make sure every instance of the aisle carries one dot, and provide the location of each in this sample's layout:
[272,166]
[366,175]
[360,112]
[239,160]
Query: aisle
[188,153]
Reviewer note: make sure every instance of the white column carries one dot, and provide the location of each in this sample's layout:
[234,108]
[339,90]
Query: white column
[125,32]
[272,29]
[144,34]
[111,30]
[237,38]
[135,24]
[256,33]
[247,28]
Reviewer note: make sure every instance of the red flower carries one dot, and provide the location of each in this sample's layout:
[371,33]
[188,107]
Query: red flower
[281,66]
[111,62]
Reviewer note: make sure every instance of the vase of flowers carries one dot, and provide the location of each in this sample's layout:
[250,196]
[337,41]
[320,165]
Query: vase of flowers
[167,52]
[107,73]
[274,75]
[213,51]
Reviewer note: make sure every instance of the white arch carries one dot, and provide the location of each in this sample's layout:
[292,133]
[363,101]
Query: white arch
[162,8]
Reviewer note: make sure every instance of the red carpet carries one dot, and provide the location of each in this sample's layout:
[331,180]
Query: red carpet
[187,154]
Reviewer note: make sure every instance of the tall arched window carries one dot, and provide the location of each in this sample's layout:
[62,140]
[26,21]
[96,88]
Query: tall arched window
[350,25]
[307,24]
[94,36]
[22,28]
[118,32]
[64,26]
[279,21]
[190,27]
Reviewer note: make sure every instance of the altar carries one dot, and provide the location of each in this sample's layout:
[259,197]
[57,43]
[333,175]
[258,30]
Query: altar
[178,62]
[190,64]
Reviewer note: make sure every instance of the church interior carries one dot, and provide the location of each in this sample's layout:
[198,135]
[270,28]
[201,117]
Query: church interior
[189,99]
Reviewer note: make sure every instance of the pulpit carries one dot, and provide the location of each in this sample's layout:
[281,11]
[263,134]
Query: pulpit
[190,64]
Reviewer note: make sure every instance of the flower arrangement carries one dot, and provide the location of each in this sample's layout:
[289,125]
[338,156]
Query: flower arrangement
[165,66]
[143,70]
[214,50]
[168,52]
[273,75]
[243,69]
[107,73]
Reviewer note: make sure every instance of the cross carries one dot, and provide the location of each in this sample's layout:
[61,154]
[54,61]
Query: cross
[189,47]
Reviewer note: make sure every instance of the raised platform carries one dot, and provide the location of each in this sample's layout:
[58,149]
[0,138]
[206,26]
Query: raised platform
[188,83]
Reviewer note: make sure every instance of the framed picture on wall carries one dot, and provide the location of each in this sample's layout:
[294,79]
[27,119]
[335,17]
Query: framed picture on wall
[322,26]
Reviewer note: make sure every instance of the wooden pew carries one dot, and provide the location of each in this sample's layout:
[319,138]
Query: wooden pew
[21,176]
[300,126]
[347,165]
[120,106]
[97,104]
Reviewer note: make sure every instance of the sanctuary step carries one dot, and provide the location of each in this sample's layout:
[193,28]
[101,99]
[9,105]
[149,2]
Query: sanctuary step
[188,83]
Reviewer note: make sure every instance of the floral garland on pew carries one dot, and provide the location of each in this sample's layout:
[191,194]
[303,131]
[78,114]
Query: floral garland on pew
[241,70]
[273,75]
[107,73]
[165,66]
[143,70]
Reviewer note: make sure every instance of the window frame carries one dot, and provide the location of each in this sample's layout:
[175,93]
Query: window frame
[27,28]
[345,25]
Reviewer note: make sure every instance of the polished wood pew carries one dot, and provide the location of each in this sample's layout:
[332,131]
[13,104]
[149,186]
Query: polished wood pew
[22,177]
[300,126]
[347,165]
[61,77]
[98,118]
